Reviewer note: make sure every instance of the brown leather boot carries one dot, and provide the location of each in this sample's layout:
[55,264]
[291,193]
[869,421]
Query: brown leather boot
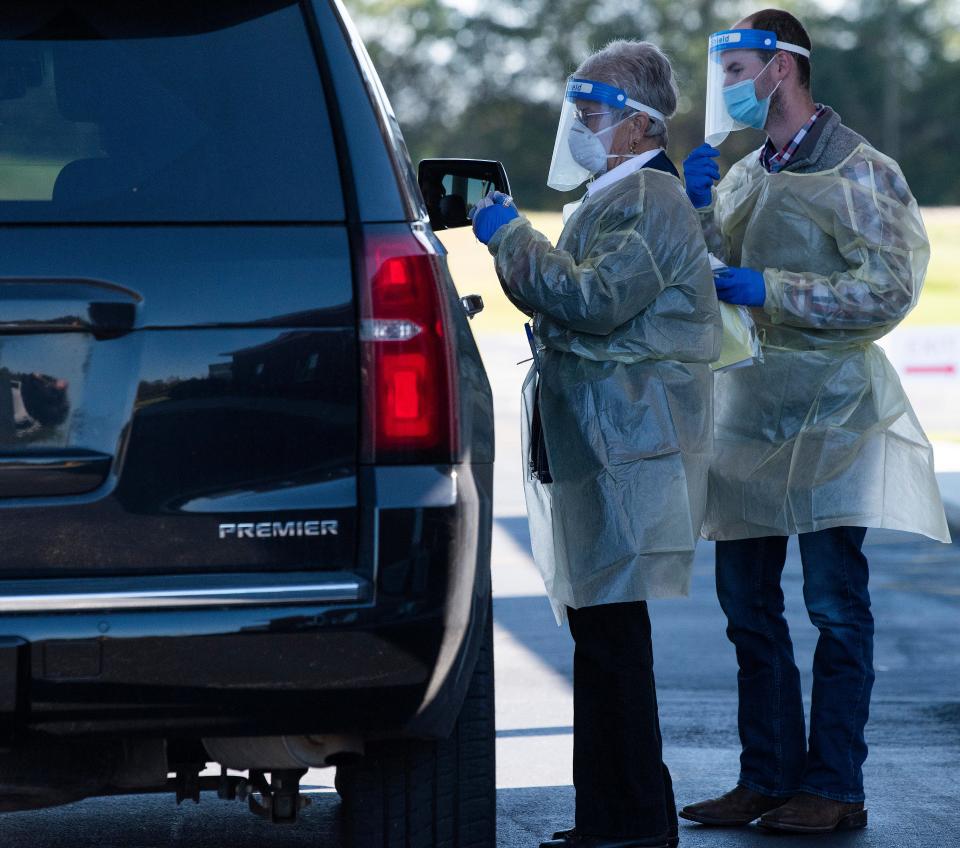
[805,813]
[737,808]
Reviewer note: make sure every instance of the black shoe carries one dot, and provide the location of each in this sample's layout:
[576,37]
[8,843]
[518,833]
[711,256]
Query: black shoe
[572,839]
[673,839]
[737,808]
[806,813]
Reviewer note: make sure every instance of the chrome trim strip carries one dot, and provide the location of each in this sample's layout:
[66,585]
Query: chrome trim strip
[263,593]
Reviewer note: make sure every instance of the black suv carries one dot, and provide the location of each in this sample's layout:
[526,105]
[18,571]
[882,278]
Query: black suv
[246,438]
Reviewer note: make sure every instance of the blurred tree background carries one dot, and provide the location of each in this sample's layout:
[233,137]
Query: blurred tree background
[484,78]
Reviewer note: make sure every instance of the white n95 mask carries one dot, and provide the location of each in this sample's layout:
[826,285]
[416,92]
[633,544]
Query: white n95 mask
[587,149]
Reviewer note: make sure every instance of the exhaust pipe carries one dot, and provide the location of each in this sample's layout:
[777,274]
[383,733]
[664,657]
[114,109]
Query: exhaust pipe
[276,753]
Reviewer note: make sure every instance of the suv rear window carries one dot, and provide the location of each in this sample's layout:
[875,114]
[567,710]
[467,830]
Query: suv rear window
[162,111]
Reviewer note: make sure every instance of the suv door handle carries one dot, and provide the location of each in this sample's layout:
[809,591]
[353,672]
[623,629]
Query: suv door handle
[51,473]
[66,305]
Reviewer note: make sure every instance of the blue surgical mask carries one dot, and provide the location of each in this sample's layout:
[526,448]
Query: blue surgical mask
[743,105]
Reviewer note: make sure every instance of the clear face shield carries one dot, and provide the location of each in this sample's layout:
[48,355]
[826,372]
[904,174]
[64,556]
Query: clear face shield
[589,118]
[739,82]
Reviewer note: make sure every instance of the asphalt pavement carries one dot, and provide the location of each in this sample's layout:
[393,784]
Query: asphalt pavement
[912,773]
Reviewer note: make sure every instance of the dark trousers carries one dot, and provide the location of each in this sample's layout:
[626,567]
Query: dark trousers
[776,759]
[623,786]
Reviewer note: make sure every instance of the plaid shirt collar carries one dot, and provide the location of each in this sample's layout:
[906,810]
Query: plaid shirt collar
[774,160]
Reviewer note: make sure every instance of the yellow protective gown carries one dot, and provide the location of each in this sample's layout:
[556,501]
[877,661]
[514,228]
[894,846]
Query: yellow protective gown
[627,320]
[821,434]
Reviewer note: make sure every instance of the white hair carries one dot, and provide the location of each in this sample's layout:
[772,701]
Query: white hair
[643,72]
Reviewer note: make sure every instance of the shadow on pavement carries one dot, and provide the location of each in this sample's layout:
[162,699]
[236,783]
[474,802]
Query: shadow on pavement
[912,776]
[517,527]
[156,822]
[530,814]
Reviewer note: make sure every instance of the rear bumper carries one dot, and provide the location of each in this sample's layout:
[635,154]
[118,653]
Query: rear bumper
[389,654]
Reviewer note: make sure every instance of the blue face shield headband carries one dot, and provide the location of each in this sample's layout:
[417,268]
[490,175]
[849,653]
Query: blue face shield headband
[615,98]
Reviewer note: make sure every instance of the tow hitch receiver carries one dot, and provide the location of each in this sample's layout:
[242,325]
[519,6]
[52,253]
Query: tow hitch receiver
[280,799]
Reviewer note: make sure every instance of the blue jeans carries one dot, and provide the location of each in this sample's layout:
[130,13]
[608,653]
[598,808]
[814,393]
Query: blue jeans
[775,757]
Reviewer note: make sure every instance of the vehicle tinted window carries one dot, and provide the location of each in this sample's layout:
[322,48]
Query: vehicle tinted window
[160,112]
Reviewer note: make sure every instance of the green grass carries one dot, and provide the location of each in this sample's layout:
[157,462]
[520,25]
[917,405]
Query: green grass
[940,300]
[472,269]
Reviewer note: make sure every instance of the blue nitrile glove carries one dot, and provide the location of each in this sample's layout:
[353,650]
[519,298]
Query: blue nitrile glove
[491,213]
[700,172]
[743,286]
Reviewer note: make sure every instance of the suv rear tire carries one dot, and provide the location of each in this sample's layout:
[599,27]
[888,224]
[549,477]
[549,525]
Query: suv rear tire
[429,793]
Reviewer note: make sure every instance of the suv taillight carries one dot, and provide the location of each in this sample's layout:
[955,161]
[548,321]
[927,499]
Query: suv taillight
[410,401]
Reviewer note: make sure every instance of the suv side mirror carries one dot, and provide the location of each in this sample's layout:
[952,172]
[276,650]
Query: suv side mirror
[451,186]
